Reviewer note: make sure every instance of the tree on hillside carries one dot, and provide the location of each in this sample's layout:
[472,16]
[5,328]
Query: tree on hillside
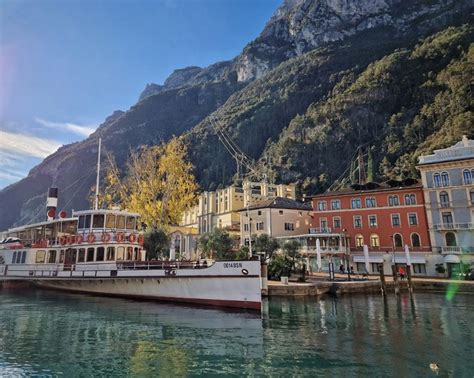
[159,184]
[216,244]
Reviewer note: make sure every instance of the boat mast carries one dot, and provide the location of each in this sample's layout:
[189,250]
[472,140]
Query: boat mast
[96,204]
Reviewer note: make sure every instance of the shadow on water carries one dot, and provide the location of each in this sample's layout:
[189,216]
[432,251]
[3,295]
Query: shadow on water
[49,333]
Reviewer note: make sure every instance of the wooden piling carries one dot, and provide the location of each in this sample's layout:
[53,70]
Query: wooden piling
[382,280]
[396,286]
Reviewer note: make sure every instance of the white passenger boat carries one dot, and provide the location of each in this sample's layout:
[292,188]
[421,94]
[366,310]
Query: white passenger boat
[101,252]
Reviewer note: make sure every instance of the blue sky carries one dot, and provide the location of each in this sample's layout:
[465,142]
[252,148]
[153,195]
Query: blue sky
[65,65]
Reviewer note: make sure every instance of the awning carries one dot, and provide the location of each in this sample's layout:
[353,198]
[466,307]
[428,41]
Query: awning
[413,259]
[451,259]
[372,259]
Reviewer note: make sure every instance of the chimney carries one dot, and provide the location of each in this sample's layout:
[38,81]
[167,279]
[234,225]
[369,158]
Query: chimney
[51,203]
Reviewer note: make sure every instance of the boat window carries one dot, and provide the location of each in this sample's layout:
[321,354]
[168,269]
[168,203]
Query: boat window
[90,254]
[23,257]
[18,257]
[81,222]
[40,257]
[139,224]
[129,253]
[61,256]
[87,223]
[110,253]
[14,257]
[121,221]
[51,256]
[130,223]
[98,221]
[110,221]
[136,254]
[100,254]
[81,257]
[120,253]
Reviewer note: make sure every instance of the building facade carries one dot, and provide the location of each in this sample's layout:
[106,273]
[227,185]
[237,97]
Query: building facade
[384,217]
[448,181]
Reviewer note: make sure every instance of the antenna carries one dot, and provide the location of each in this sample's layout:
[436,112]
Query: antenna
[96,204]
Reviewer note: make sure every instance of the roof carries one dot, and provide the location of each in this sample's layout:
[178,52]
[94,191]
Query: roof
[463,150]
[280,203]
[372,187]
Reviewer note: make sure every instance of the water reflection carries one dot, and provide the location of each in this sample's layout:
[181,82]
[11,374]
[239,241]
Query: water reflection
[50,333]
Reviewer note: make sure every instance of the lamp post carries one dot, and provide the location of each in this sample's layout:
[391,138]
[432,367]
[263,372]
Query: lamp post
[249,224]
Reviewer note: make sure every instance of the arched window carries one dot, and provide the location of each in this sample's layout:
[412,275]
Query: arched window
[437,180]
[398,240]
[393,201]
[450,239]
[444,199]
[472,196]
[374,240]
[467,177]
[444,179]
[359,240]
[410,199]
[415,240]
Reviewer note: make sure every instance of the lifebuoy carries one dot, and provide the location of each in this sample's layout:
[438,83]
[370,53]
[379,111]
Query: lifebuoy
[91,238]
[79,239]
[132,238]
[105,237]
[119,237]
[70,239]
[62,240]
[141,239]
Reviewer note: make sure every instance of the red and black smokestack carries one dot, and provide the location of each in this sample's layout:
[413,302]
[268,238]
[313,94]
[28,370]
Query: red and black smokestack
[52,203]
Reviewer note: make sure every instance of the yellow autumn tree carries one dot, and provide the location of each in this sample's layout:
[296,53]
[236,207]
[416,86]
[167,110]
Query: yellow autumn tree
[158,184]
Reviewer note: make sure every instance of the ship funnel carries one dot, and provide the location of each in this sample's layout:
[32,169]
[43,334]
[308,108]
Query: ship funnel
[52,203]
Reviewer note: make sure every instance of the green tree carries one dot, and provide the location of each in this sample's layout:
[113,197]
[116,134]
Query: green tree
[266,245]
[216,244]
[156,244]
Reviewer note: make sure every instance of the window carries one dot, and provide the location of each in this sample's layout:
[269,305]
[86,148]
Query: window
[61,256]
[14,257]
[359,240]
[357,221]
[18,258]
[355,203]
[444,179]
[280,212]
[129,253]
[372,220]
[289,227]
[412,219]
[247,242]
[80,223]
[110,253]
[260,226]
[437,180]
[90,254]
[395,219]
[321,205]
[336,221]
[393,201]
[415,240]
[98,221]
[110,221]
[51,256]
[40,256]
[374,241]
[450,239]
[23,257]
[471,194]
[467,176]
[131,221]
[375,267]
[447,218]
[121,222]
[410,199]
[120,253]
[335,204]
[81,255]
[419,268]
[370,202]
[323,223]
[398,240]
[444,199]
[246,227]
[87,221]
[260,212]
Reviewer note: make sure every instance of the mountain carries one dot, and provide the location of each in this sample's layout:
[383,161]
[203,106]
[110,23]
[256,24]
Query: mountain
[323,77]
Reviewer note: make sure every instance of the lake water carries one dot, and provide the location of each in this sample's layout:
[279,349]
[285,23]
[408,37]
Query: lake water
[46,333]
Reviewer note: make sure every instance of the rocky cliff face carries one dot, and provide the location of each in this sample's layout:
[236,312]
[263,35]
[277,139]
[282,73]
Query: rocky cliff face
[303,53]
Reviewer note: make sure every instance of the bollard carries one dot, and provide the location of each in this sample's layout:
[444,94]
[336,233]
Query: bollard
[382,280]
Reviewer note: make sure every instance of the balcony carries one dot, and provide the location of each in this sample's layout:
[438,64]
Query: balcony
[320,230]
[324,250]
[452,226]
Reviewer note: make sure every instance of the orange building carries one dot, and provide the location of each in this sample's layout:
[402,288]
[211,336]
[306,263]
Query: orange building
[385,217]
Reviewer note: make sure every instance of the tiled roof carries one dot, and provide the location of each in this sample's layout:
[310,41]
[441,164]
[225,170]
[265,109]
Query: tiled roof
[280,203]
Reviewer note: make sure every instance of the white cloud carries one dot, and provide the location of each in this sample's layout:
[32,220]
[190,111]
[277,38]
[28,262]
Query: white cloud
[26,145]
[72,127]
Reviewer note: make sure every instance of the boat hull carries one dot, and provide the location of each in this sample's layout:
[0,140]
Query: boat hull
[235,292]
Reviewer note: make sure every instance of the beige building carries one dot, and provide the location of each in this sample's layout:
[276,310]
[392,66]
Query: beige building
[277,217]
[221,208]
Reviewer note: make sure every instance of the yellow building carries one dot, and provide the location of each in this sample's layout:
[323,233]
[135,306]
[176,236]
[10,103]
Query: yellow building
[221,208]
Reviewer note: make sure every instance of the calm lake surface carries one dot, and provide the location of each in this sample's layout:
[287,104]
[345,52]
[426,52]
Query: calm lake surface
[46,333]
